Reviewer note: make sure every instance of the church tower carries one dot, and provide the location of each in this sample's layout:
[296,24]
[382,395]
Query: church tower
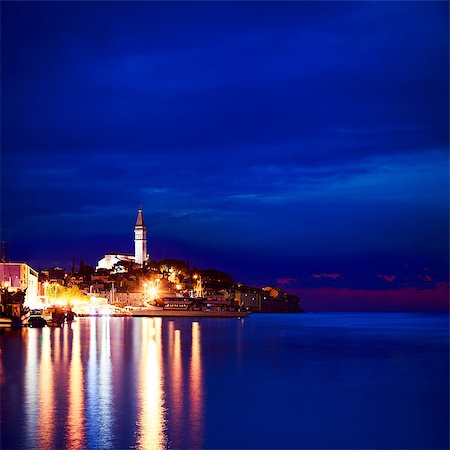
[140,240]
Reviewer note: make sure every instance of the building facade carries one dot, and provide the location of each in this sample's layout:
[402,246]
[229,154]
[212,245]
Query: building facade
[111,259]
[140,240]
[17,276]
[140,249]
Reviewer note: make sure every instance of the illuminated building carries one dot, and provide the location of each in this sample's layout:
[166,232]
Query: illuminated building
[17,276]
[140,250]
[140,240]
[111,259]
[250,298]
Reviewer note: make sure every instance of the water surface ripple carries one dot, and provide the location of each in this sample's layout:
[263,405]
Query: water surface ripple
[310,381]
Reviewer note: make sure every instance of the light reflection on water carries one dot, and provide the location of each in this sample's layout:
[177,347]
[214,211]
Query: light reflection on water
[91,394]
[270,381]
[104,380]
[46,392]
[151,420]
[75,415]
[196,393]
[76,363]
[176,381]
[31,388]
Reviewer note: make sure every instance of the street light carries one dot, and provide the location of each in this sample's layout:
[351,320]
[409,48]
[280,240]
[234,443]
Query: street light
[46,285]
[198,287]
[151,291]
[145,293]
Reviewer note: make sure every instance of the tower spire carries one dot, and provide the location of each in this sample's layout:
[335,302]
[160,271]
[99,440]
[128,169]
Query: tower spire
[140,239]
[140,219]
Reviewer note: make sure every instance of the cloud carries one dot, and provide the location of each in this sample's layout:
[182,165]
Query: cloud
[271,131]
[347,299]
[285,281]
[388,278]
[321,276]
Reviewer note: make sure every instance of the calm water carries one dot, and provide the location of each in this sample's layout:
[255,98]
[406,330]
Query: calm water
[269,381]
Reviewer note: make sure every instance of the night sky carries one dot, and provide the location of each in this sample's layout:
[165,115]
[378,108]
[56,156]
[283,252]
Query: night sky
[301,144]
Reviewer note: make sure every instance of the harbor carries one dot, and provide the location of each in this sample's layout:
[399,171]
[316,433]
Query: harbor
[134,285]
[52,316]
[224,225]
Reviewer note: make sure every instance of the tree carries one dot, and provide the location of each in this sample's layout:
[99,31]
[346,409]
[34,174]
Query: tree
[56,292]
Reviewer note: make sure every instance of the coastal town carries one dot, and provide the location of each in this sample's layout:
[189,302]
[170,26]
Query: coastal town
[135,284]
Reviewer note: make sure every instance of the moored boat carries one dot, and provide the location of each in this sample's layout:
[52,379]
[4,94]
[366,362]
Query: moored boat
[70,316]
[5,322]
[188,307]
[54,323]
[36,321]
[54,316]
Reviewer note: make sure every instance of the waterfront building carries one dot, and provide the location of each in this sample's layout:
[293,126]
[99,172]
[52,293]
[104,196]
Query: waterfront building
[268,299]
[16,276]
[128,298]
[250,298]
[112,261]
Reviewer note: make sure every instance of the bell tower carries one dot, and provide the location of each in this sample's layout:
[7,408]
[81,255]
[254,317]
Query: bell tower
[140,240]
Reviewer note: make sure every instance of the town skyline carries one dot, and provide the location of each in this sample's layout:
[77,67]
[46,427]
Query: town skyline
[141,259]
[298,144]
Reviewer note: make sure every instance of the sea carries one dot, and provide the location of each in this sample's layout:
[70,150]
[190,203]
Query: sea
[270,381]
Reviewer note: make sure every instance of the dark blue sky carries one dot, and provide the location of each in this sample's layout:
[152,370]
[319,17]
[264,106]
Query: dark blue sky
[270,140]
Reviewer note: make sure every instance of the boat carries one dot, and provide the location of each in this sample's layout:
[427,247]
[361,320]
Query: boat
[36,320]
[54,323]
[146,312]
[6,322]
[70,316]
[188,307]
[53,316]
[13,313]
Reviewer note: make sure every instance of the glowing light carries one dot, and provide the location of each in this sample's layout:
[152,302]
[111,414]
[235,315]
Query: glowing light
[177,385]
[104,386]
[37,304]
[196,389]
[31,389]
[151,422]
[151,292]
[75,428]
[92,399]
[96,306]
[198,286]
[46,393]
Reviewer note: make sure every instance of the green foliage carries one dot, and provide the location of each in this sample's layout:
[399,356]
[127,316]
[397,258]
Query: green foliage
[175,263]
[215,279]
[56,291]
